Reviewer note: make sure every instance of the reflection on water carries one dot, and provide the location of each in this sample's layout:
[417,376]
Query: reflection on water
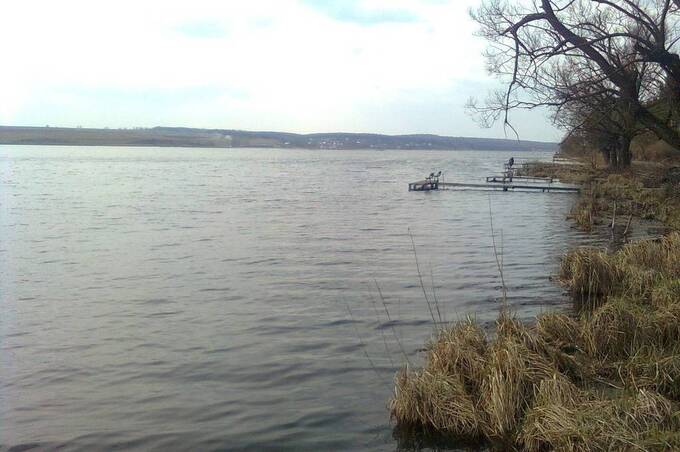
[219,299]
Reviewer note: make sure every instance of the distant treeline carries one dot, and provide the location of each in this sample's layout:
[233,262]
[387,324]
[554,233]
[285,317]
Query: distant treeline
[219,138]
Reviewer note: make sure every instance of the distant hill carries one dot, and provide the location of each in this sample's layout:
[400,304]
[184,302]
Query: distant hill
[219,138]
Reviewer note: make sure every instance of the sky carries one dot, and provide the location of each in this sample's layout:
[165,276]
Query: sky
[383,66]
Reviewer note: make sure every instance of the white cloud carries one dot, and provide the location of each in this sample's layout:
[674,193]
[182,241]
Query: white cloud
[269,64]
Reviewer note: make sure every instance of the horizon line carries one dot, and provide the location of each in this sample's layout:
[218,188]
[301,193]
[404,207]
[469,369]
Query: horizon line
[47,126]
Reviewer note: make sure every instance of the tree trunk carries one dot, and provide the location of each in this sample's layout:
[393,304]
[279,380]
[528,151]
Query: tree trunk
[613,160]
[624,156]
[606,153]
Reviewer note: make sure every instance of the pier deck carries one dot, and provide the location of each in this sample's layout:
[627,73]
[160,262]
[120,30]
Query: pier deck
[507,186]
[506,180]
[425,186]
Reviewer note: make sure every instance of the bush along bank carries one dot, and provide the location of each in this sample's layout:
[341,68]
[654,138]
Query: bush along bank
[607,378]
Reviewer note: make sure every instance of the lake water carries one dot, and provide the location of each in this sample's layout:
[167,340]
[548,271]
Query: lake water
[206,299]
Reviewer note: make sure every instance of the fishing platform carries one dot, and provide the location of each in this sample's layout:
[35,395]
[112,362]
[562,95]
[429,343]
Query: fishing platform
[505,181]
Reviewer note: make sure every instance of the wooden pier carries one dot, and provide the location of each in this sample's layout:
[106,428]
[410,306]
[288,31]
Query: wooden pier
[429,185]
[503,178]
[506,186]
[423,185]
[505,181]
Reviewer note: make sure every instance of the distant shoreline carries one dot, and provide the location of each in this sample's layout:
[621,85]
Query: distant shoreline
[225,139]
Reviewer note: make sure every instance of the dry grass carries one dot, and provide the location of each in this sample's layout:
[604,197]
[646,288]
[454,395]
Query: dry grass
[566,418]
[648,270]
[558,330]
[585,210]
[614,331]
[436,400]
[514,369]
[460,351]
[645,190]
[654,150]
[606,380]
[652,368]
[504,390]
[572,174]
[444,394]
[590,275]
[666,292]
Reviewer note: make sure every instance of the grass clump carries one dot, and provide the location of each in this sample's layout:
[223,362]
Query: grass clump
[606,379]
[647,270]
[590,274]
[473,387]
[443,396]
[615,330]
[653,368]
[566,418]
[460,351]
[558,330]
[439,401]
[665,292]
[584,212]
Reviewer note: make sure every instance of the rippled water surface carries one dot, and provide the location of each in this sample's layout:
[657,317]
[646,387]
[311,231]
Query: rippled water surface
[226,299]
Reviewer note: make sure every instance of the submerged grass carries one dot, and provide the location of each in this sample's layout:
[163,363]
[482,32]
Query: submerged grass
[607,378]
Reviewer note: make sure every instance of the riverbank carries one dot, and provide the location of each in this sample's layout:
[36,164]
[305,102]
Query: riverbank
[230,138]
[647,190]
[606,376]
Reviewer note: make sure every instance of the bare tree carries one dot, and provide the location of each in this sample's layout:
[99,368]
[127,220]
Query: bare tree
[584,59]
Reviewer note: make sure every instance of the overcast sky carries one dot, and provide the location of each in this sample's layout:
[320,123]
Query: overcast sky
[385,66]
